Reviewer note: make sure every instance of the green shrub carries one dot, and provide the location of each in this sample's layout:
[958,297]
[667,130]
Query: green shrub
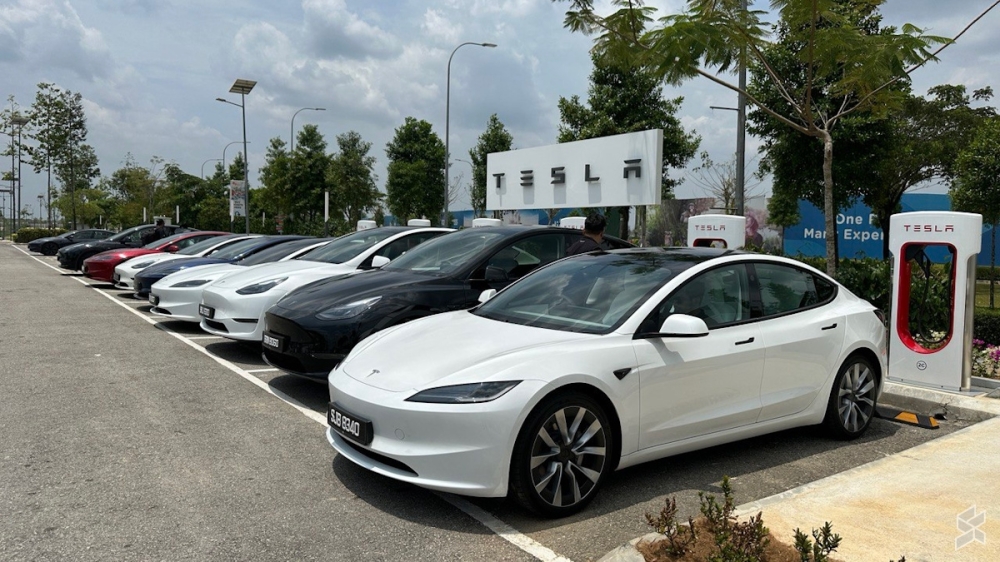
[868,278]
[986,325]
[25,235]
[987,273]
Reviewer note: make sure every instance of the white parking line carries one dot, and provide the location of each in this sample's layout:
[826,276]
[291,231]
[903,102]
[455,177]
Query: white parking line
[491,522]
[208,338]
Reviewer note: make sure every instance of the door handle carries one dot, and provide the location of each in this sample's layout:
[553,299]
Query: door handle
[745,341]
[830,327]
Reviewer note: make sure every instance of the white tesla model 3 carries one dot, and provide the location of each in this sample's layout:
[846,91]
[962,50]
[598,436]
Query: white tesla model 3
[126,271]
[234,306]
[178,295]
[603,361]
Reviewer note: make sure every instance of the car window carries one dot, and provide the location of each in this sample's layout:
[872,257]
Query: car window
[348,247]
[525,255]
[81,235]
[785,289]
[278,251]
[446,254]
[102,234]
[720,297]
[192,240]
[399,247]
[136,237]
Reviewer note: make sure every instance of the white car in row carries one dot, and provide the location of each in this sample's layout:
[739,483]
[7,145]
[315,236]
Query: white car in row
[126,271]
[234,306]
[178,295]
[603,361]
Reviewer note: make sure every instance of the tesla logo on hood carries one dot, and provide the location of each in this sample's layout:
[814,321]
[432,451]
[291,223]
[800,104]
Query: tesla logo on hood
[374,372]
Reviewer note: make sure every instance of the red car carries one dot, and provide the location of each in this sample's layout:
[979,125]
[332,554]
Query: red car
[101,267]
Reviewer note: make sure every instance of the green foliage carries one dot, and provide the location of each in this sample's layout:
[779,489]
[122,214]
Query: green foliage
[736,541]
[679,536]
[25,235]
[986,325]
[495,138]
[977,181]
[987,273]
[415,185]
[868,278]
[352,179]
[307,179]
[819,551]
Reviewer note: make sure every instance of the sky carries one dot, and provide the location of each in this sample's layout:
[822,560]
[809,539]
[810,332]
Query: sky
[150,71]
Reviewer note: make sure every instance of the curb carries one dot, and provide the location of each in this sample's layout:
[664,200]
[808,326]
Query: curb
[974,408]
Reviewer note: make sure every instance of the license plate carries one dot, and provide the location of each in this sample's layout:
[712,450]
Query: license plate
[276,343]
[206,311]
[154,300]
[349,425]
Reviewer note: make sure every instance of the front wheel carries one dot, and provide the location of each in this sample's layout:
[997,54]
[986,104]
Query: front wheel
[562,455]
[49,249]
[852,401]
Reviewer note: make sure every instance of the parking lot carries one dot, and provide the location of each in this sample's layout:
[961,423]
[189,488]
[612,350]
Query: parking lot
[128,437]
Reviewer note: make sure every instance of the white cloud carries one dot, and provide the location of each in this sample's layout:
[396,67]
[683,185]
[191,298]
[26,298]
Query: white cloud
[334,32]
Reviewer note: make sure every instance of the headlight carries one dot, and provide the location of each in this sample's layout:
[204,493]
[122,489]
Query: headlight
[103,258]
[191,283]
[261,287]
[348,310]
[143,265]
[464,393]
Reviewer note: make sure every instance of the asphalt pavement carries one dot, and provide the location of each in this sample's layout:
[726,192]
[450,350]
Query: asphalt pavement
[127,437]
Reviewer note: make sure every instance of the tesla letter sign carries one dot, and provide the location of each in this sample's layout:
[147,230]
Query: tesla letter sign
[617,171]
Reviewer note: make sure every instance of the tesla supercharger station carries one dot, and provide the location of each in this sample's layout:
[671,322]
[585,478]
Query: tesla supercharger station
[714,231]
[936,355]
[366,225]
[418,222]
[576,223]
[482,221]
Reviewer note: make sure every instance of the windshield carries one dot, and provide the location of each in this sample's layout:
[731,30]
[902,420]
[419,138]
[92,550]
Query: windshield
[195,249]
[237,249]
[166,240]
[123,234]
[445,254]
[590,294]
[349,246]
[67,234]
[278,251]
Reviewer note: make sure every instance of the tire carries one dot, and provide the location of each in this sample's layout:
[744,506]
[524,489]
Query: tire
[563,481]
[852,399]
[49,249]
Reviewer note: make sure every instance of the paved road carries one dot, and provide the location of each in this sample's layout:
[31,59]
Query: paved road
[123,438]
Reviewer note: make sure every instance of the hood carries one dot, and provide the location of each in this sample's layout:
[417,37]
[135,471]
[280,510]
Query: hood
[320,295]
[207,272]
[267,271]
[99,245]
[156,258]
[175,266]
[462,346]
[47,239]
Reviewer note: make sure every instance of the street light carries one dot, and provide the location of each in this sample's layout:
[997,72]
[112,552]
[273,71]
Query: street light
[292,146]
[40,199]
[447,124]
[243,87]
[740,149]
[210,160]
[20,122]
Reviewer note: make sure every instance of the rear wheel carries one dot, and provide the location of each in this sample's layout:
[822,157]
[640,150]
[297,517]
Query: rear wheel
[852,401]
[561,457]
[49,249]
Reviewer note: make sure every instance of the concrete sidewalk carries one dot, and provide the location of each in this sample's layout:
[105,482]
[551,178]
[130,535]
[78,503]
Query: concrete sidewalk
[910,504]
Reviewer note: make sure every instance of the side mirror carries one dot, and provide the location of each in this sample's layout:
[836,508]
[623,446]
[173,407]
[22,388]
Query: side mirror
[683,326]
[172,248]
[379,261]
[487,295]
[496,274]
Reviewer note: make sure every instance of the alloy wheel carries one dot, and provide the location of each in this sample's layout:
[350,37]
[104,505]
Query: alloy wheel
[568,456]
[856,397]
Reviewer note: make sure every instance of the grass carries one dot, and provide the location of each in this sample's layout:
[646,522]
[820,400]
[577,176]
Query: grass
[983,294]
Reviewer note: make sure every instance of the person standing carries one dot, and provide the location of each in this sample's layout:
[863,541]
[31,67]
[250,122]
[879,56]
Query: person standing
[593,235]
[159,232]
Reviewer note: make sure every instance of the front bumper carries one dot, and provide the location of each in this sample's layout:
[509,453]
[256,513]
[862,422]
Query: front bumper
[177,303]
[308,353]
[68,261]
[237,317]
[462,449]
[99,271]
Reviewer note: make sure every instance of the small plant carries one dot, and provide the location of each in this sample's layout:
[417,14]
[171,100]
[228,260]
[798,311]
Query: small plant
[736,541]
[819,551]
[985,359]
[679,537]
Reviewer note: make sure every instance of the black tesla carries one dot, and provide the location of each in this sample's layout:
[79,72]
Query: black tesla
[71,257]
[51,244]
[314,327]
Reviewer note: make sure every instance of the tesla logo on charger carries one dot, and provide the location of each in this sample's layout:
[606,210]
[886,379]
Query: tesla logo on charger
[929,228]
[710,227]
[558,174]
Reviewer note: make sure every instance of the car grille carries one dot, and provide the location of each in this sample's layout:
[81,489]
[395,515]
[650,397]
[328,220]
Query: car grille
[381,458]
[216,325]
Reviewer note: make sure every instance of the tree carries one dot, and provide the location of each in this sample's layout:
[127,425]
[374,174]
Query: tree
[274,178]
[718,180]
[714,36]
[625,97]
[352,178]
[495,138]
[50,133]
[307,180]
[415,172]
[977,180]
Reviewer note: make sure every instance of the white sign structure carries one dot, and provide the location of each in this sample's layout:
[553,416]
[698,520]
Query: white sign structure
[717,231]
[237,207]
[615,171]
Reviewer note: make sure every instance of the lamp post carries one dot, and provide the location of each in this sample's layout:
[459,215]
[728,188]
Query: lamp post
[292,137]
[210,160]
[20,122]
[243,87]
[40,199]
[447,124]
[740,149]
